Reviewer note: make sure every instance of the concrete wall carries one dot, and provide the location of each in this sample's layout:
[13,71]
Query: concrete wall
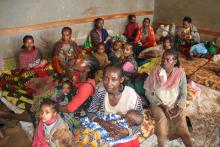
[14,13]
[204,13]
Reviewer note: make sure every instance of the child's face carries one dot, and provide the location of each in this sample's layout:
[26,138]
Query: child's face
[66,36]
[101,49]
[46,113]
[166,44]
[117,46]
[29,44]
[127,50]
[66,89]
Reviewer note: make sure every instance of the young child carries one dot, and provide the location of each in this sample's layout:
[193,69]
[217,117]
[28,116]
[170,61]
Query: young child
[131,29]
[50,126]
[128,56]
[101,55]
[63,94]
[116,51]
[65,52]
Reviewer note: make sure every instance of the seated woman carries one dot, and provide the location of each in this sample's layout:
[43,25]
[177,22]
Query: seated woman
[100,35]
[145,37]
[30,56]
[65,52]
[115,98]
[84,83]
[131,29]
[187,35]
[166,90]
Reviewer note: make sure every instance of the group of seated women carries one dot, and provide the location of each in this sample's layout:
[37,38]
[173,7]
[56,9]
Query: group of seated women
[76,94]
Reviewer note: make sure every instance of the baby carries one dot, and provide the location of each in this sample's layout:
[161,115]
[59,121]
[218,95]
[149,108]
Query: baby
[133,118]
[50,126]
[63,94]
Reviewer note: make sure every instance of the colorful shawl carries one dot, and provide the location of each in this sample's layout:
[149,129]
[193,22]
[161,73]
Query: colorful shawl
[148,41]
[97,37]
[155,81]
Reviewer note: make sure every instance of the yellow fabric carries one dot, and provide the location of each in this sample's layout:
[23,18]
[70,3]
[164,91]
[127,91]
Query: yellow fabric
[147,67]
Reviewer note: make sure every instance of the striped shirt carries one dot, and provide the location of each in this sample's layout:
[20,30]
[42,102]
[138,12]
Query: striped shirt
[98,106]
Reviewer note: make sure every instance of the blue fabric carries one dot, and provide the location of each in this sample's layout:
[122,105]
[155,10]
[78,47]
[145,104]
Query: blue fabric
[199,49]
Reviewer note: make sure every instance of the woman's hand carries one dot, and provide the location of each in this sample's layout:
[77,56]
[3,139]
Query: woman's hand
[165,109]
[119,132]
[174,112]
[113,130]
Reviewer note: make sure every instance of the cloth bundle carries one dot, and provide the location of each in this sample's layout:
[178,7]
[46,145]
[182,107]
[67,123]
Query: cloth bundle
[93,133]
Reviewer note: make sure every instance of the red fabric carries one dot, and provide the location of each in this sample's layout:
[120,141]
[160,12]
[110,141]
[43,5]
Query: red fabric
[150,41]
[155,81]
[130,28]
[84,91]
[132,143]
[39,138]
[27,57]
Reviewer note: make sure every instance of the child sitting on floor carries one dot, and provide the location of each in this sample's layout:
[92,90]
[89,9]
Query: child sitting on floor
[50,126]
[116,51]
[101,55]
[128,56]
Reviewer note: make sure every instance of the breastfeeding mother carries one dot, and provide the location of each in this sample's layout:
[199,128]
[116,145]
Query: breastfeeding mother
[115,98]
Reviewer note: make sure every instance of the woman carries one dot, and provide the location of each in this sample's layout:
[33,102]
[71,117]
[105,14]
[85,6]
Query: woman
[166,90]
[84,82]
[114,98]
[145,37]
[29,56]
[131,29]
[100,35]
[187,36]
[65,52]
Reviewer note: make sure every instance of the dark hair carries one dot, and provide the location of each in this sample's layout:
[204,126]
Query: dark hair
[66,29]
[117,65]
[130,44]
[166,38]
[49,102]
[97,20]
[146,19]
[93,64]
[187,19]
[25,38]
[99,44]
[175,56]
[138,116]
[131,16]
